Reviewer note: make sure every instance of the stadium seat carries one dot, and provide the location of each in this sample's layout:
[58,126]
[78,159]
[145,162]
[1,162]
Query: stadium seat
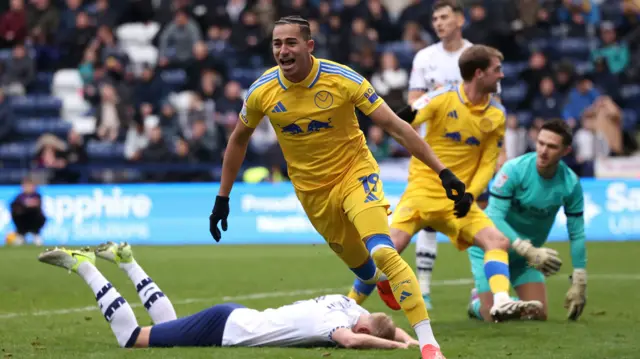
[174,78]
[512,72]
[576,48]
[141,55]
[245,76]
[512,95]
[631,95]
[74,106]
[137,34]
[17,150]
[40,105]
[105,150]
[66,82]
[37,126]
[629,119]
[525,118]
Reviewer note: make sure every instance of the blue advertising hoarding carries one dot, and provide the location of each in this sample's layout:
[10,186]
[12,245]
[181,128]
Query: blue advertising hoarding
[260,214]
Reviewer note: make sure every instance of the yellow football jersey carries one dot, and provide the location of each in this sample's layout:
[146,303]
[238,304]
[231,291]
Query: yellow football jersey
[314,120]
[467,138]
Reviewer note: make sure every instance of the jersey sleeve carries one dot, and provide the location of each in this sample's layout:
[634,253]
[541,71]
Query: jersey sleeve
[417,79]
[251,112]
[574,209]
[501,193]
[427,106]
[332,322]
[363,96]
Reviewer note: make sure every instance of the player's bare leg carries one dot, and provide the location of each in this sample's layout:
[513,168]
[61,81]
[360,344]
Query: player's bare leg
[496,267]
[534,292]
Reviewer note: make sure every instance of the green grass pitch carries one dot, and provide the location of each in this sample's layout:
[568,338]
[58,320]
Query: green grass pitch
[47,313]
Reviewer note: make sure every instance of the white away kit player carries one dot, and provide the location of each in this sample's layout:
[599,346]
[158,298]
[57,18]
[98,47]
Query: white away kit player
[324,321]
[433,67]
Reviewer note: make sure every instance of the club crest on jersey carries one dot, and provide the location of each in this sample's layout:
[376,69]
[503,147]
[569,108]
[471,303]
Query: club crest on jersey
[323,99]
[305,125]
[371,95]
[486,125]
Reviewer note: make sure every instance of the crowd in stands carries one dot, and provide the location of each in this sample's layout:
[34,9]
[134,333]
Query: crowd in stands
[118,85]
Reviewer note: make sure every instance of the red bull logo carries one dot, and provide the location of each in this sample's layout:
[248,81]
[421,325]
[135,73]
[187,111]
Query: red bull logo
[311,126]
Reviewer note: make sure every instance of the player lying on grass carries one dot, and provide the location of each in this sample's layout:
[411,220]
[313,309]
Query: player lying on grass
[525,198]
[465,127]
[311,104]
[323,321]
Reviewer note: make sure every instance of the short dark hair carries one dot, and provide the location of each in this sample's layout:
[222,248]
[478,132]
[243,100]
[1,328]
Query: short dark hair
[453,4]
[561,128]
[476,57]
[303,24]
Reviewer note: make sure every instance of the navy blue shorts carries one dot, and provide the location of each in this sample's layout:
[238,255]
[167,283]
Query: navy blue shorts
[202,329]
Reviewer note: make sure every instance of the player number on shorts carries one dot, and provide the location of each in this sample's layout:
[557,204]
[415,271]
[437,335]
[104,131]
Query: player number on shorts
[371,179]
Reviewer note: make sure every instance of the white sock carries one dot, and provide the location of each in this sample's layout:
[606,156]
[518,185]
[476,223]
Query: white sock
[426,250]
[425,334]
[155,302]
[115,309]
[501,297]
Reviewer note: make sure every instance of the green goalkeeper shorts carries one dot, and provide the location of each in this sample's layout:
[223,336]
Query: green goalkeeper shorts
[519,272]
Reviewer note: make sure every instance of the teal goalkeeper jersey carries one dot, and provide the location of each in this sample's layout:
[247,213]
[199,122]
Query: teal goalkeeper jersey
[524,205]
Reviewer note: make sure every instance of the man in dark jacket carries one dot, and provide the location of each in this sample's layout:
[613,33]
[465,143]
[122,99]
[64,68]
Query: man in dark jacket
[27,214]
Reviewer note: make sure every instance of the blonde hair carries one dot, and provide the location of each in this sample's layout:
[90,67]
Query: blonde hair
[382,326]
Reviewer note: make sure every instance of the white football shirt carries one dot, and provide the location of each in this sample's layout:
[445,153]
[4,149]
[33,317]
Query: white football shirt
[303,323]
[435,67]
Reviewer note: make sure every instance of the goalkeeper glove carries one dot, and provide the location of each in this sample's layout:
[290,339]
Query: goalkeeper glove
[462,207]
[576,298]
[546,260]
[452,185]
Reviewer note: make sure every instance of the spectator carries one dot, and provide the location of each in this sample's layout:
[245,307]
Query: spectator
[7,119]
[135,141]
[303,8]
[391,81]
[337,39]
[204,146]
[87,66]
[202,62]
[609,123]
[20,71]
[616,53]
[75,42]
[157,151]
[13,25]
[168,122]
[229,105]
[68,16]
[548,104]
[110,114]
[538,69]
[50,155]
[378,143]
[515,138]
[580,98]
[177,40]
[590,144]
[248,41]
[321,48]
[378,19]
[104,14]
[42,22]
[416,11]
[27,213]
[234,9]
[480,28]
[266,13]
[262,141]
[605,81]
[150,91]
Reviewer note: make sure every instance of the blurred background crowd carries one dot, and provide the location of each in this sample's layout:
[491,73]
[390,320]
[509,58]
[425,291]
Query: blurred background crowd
[149,90]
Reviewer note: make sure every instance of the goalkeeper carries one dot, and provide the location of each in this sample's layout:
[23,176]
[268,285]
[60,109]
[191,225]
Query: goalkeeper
[524,200]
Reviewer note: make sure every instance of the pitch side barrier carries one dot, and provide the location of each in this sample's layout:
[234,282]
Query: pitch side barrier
[172,214]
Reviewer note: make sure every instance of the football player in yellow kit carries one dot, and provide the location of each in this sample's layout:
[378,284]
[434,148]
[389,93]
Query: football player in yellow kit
[311,104]
[465,127]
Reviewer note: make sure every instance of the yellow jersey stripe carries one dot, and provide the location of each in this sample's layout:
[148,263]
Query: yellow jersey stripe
[337,70]
[261,81]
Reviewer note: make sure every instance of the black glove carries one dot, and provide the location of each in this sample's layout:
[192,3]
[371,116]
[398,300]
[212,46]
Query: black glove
[219,213]
[451,183]
[407,114]
[462,207]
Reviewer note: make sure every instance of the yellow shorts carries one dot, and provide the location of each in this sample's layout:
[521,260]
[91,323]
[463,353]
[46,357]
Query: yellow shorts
[415,213]
[332,211]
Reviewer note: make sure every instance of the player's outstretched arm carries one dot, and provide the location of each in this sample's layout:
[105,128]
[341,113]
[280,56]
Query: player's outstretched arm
[233,158]
[404,337]
[350,340]
[384,117]
[576,297]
